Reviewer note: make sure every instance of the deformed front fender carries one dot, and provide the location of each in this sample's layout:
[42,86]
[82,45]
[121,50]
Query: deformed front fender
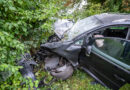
[61,48]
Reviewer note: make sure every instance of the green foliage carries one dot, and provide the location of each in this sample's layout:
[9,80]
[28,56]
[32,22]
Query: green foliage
[125,6]
[97,1]
[9,49]
[93,9]
[24,24]
[102,6]
[90,9]
[125,87]
[113,5]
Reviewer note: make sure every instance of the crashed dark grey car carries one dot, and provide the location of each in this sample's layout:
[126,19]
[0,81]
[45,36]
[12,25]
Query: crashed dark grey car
[100,45]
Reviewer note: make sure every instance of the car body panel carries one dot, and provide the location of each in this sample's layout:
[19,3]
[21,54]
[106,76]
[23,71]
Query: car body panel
[62,48]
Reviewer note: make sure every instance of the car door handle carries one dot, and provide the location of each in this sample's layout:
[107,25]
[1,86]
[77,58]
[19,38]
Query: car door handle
[119,78]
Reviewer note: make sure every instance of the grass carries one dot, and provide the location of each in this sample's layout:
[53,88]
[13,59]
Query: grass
[79,81]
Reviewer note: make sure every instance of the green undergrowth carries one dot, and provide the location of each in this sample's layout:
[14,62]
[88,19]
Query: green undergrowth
[78,81]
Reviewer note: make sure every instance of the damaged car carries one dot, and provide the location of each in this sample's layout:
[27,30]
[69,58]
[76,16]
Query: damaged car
[99,44]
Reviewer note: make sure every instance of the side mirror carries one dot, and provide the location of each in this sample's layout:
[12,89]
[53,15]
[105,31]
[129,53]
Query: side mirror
[88,42]
[88,50]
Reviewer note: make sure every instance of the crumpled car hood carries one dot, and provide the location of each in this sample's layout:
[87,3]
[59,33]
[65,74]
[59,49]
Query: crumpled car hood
[61,26]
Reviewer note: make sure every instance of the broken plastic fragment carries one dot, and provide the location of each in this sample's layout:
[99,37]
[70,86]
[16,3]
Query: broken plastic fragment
[27,70]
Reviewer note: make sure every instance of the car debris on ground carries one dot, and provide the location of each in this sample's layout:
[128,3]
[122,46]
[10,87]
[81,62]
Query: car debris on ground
[27,70]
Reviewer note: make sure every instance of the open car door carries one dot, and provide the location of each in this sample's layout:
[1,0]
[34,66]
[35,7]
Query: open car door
[109,62]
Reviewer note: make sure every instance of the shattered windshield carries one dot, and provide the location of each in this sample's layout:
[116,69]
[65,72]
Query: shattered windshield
[82,26]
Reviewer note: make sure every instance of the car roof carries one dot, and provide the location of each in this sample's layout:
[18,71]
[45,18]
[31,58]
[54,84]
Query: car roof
[106,18]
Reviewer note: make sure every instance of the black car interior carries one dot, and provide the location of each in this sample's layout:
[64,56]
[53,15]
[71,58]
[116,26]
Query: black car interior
[113,32]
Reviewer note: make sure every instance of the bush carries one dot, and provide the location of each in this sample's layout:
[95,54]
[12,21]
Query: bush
[90,9]
[125,6]
[24,25]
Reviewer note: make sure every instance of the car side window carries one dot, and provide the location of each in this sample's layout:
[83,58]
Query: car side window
[115,48]
[114,31]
